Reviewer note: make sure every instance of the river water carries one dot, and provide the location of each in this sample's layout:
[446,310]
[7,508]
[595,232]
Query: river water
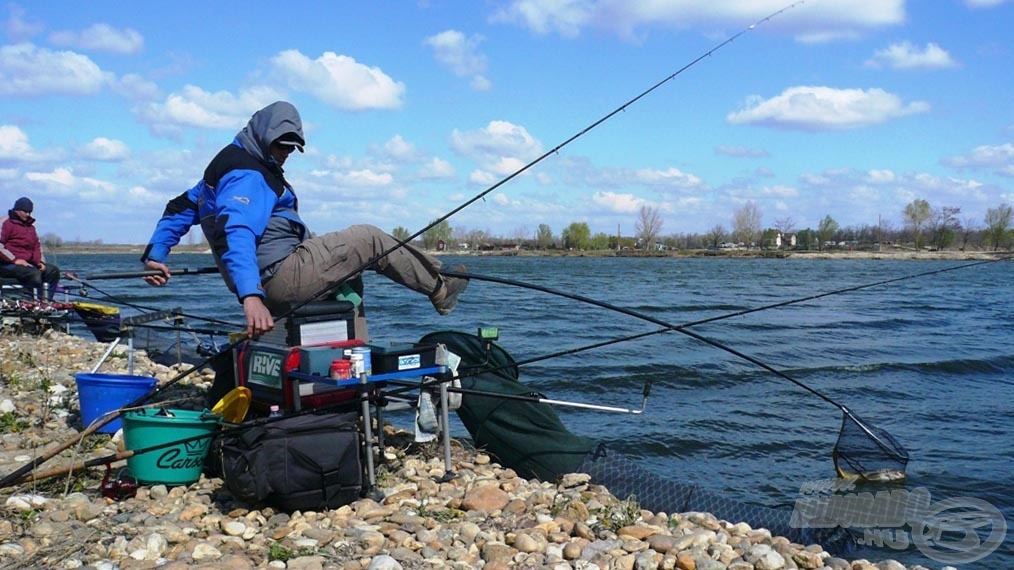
[928,359]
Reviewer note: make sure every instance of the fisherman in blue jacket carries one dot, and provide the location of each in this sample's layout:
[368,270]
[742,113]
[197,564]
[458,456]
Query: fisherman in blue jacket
[249,215]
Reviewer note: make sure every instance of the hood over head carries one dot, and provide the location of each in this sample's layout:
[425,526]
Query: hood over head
[279,119]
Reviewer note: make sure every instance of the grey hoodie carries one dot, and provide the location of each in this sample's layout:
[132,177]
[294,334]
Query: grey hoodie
[267,125]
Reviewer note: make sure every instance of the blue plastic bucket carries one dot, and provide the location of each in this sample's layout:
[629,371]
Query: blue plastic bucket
[172,463]
[98,394]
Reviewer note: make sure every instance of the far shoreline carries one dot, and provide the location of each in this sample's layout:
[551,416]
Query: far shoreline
[892,255]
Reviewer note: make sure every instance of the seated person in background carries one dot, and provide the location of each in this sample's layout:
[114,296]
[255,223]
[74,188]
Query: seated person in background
[21,251]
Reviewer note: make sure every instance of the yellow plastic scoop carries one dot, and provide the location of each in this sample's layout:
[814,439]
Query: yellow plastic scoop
[234,405]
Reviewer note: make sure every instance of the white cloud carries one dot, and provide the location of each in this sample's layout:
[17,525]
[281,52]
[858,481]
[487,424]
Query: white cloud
[101,38]
[437,168]
[999,158]
[985,3]
[626,18]
[142,195]
[17,27]
[137,88]
[13,143]
[779,191]
[621,203]
[481,177]
[460,54]
[399,149]
[365,178]
[63,182]
[668,178]
[481,83]
[866,196]
[564,17]
[501,147]
[503,200]
[27,70]
[195,107]
[881,176]
[102,148]
[904,55]
[810,108]
[339,81]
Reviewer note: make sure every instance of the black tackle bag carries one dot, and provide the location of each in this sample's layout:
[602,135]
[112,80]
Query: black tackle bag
[304,462]
[526,436]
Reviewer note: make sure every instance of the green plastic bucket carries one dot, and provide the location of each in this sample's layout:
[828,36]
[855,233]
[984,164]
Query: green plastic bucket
[179,464]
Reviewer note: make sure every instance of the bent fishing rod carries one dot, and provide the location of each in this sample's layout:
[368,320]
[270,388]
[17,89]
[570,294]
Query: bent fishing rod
[891,447]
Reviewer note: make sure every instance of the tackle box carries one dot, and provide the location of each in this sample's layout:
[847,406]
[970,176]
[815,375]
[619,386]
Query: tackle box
[401,356]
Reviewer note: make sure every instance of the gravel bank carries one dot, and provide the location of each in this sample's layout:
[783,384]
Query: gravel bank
[485,517]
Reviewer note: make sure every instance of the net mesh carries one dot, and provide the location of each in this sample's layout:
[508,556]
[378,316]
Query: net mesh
[868,452]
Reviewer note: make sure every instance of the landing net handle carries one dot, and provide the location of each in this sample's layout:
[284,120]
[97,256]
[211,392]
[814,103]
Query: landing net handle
[867,452]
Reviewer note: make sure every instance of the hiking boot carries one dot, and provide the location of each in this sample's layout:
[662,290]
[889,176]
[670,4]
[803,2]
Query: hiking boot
[445,298]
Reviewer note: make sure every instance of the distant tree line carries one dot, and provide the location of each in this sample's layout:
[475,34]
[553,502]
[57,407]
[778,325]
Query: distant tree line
[923,227]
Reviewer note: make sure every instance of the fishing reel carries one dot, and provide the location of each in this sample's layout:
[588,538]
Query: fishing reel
[123,487]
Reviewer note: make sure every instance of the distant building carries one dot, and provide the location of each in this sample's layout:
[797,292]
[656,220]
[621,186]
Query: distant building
[785,240]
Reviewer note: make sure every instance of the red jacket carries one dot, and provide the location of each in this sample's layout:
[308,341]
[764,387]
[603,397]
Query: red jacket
[18,240]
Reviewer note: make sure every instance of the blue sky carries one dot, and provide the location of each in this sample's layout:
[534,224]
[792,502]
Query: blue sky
[845,108]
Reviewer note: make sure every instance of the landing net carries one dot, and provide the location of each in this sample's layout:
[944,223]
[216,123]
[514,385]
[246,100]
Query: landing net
[866,452]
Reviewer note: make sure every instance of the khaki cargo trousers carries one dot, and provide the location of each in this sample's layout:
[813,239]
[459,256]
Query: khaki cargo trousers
[320,262]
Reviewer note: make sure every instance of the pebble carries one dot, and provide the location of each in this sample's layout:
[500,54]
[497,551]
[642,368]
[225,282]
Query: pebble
[486,516]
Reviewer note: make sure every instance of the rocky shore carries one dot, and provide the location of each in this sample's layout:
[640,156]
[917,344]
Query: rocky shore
[484,517]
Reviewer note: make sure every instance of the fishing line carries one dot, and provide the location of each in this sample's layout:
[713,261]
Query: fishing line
[481,195]
[667,327]
[884,460]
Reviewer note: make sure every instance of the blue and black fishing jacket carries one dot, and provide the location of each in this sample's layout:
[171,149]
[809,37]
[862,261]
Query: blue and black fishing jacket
[245,207]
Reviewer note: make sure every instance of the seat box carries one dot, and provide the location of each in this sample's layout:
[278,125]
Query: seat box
[259,367]
[264,368]
[401,356]
[314,323]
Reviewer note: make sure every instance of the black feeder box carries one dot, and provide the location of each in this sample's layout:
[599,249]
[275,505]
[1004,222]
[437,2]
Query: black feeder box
[402,357]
